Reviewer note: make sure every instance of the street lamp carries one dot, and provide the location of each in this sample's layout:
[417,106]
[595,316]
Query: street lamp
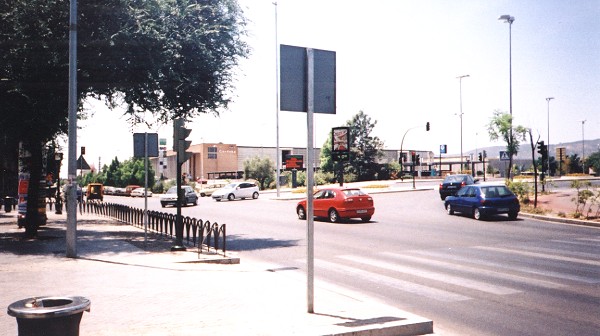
[461,120]
[583,146]
[548,100]
[509,19]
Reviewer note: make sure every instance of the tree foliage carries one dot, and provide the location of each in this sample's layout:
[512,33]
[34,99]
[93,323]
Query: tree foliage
[170,58]
[119,174]
[260,169]
[594,161]
[365,150]
[501,127]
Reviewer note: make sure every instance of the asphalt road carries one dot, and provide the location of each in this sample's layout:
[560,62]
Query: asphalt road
[492,277]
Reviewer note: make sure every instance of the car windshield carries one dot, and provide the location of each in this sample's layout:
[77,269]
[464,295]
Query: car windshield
[230,186]
[172,190]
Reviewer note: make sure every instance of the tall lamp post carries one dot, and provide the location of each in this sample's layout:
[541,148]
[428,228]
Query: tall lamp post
[583,146]
[509,19]
[461,120]
[548,100]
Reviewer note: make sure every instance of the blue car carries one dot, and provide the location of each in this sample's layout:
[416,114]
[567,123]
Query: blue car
[481,201]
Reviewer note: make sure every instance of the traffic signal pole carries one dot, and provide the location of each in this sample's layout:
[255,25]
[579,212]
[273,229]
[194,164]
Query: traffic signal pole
[180,145]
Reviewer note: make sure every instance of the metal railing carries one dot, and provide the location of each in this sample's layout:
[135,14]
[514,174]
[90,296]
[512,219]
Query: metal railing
[196,232]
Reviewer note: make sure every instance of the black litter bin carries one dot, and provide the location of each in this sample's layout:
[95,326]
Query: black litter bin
[49,315]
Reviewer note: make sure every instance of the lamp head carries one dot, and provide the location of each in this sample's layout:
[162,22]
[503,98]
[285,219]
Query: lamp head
[507,18]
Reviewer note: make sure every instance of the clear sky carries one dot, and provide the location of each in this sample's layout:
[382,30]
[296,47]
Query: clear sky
[398,61]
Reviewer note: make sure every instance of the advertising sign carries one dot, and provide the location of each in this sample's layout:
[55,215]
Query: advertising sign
[294,162]
[340,142]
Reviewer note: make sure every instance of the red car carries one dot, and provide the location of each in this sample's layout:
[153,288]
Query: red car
[338,203]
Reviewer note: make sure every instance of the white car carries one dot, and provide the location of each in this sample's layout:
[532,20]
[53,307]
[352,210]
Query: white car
[235,190]
[170,197]
[139,192]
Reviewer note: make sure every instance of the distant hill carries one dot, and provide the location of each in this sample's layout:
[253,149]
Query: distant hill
[575,147]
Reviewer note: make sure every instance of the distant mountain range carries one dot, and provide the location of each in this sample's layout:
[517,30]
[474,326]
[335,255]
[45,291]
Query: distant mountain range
[575,147]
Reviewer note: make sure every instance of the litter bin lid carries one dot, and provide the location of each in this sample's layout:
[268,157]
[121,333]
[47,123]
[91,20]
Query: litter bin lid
[48,307]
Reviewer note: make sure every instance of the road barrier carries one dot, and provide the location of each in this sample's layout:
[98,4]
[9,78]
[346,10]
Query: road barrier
[196,232]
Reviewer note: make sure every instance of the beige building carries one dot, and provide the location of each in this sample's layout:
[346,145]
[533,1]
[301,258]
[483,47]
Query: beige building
[213,161]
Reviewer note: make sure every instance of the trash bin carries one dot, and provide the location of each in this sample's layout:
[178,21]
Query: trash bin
[8,203]
[49,315]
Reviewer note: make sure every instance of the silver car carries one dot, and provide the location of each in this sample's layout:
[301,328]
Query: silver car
[232,191]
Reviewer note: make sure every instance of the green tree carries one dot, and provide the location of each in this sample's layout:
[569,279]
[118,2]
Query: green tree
[574,164]
[594,161]
[501,126]
[170,58]
[365,150]
[260,169]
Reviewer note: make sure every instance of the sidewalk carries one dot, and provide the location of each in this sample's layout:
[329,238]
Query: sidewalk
[152,292]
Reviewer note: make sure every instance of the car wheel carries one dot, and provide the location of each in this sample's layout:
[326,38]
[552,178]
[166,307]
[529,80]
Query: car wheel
[449,209]
[202,194]
[513,215]
[442,197]
[196,201]
[365,219]
[477,214]
[301,213]
[333,216]
[231,197]
[163,204]
[255,195]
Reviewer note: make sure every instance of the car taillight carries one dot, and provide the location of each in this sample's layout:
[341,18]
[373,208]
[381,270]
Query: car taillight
[463,183]
[441,185]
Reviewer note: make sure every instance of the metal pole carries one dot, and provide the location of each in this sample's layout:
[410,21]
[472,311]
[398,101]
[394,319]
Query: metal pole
[278,153]
[145,188]
[548,100]
[310,225]
[510,93]
[461,120]
[583,146]
[71,235]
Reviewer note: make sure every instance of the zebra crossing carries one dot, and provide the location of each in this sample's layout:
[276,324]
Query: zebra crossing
[465,273]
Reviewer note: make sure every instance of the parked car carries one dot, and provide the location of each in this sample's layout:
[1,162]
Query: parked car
[339,203]
[170,197]
[209,189]
[453,183]
[108,190]
[139,192]
[130,188]
[120,192]
[481,201]
[236,190]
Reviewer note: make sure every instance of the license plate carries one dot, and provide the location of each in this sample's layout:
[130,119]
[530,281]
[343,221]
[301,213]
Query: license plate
[361,211]
[503,209]
[451,187]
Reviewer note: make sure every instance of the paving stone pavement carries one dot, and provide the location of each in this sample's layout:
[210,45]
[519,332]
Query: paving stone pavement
[138,289]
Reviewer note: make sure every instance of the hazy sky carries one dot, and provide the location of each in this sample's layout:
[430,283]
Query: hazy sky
[398,61]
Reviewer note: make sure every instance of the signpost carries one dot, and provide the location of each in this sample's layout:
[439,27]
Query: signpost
[308,85]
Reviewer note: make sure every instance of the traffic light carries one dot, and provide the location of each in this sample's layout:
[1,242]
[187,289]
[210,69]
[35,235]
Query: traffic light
[413,157]
[480,157]
[427,127]
[418,159]
[180,144]
[543,151]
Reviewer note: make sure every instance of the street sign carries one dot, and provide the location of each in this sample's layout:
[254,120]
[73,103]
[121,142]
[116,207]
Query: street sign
[504,156]
[443,149]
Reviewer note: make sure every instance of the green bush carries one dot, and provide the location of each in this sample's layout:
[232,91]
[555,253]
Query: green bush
[521,189]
